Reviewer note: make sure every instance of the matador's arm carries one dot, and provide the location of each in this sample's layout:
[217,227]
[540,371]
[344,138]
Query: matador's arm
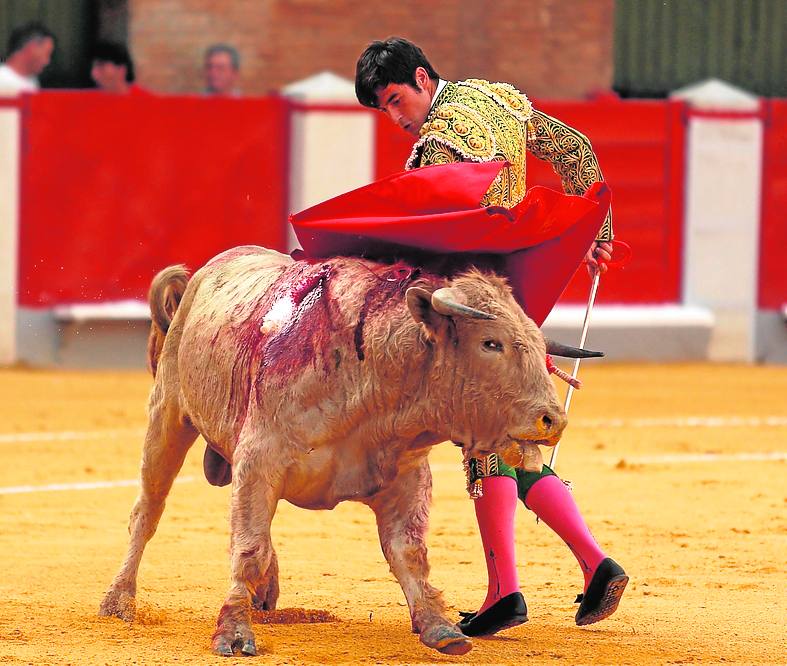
[571,155]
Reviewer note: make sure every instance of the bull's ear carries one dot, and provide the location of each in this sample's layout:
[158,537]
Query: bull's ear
[419,302]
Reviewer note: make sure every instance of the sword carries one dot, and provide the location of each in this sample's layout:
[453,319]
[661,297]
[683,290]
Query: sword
[577,361]
[625,250]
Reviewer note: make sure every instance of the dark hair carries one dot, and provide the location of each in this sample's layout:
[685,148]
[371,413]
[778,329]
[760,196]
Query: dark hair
[231,51]
[26,33]
[117,54]
[392,61]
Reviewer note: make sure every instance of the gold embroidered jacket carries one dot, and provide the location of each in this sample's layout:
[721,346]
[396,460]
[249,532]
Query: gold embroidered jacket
[479,121]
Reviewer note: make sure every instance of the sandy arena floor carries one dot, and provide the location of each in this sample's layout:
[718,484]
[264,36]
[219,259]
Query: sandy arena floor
[694,508]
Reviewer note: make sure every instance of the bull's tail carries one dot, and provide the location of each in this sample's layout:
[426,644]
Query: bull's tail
[164,296]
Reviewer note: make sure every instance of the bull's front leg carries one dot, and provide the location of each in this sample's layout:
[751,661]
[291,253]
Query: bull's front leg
[255,493]
[266,594]
[402,511]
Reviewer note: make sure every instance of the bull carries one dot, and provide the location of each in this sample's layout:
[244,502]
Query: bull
[320,382]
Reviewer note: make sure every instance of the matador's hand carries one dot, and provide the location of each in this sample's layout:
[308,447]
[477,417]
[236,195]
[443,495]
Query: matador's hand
[597,257]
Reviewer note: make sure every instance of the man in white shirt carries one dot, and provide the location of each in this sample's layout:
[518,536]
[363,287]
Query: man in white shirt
[30,48]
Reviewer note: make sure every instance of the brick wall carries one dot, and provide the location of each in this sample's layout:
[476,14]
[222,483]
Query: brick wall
[548,48]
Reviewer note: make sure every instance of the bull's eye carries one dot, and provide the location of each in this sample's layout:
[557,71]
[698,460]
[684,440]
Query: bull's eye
[493,346]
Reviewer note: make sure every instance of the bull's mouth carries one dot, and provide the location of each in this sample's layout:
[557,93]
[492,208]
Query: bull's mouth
[540,442]
[515,452]
[525,454]
[518,452]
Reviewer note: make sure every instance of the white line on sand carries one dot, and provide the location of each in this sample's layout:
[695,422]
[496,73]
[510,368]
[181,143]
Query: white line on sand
[88,485]
[69,435]
[675,422]
[680,458]
[685,422]
[667,459]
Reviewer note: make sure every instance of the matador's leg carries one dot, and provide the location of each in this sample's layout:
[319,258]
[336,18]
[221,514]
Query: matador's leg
[493,485]
[550,499]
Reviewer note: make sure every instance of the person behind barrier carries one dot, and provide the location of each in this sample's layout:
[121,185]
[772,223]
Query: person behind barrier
[113,69]
[30,48]
[479,121]
[222,71]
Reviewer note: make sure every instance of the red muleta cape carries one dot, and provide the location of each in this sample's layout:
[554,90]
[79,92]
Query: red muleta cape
[437,209]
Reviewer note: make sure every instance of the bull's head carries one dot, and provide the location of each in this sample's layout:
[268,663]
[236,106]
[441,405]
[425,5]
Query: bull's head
[492,366]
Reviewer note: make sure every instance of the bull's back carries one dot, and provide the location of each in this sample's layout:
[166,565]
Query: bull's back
[269,343]
[238,276]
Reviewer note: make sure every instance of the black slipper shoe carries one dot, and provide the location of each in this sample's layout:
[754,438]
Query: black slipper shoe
[603,594]
[508,612]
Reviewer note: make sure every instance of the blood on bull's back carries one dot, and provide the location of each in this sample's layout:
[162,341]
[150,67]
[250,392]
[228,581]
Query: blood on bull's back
[263,334]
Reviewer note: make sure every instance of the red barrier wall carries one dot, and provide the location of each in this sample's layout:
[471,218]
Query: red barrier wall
[116,188]
[640,146]
[773,231]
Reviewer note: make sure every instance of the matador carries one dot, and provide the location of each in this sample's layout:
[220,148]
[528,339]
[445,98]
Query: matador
[475,120]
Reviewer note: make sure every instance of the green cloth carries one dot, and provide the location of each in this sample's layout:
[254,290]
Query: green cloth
[506,470]
[525,480]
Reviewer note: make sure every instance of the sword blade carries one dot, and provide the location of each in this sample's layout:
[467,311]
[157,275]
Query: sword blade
[575,371]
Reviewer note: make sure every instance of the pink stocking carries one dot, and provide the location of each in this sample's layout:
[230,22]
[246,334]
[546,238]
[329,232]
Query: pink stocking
[495,514]
[553,503]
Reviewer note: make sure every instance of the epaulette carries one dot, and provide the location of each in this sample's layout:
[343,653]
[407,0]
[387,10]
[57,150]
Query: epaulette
[504,94]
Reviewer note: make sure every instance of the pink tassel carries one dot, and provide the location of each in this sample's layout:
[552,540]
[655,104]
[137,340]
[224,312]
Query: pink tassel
[553,369]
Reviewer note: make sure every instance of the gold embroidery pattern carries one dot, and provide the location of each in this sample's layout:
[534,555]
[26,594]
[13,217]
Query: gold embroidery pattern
[506,95]
[478,121]
[436,152]
[477,469]
[490,465]
[463,130]
[571,156]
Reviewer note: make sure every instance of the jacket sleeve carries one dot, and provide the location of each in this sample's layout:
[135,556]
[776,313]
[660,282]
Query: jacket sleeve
[571,156]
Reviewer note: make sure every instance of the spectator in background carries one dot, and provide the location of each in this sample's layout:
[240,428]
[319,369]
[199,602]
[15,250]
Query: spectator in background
[30,48]
[113,69]
[222,70]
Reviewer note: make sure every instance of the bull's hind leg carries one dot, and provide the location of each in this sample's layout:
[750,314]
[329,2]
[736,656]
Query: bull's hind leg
[402,511]
[255,493]
[168,439]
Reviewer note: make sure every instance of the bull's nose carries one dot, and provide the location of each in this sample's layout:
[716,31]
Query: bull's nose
[551,424]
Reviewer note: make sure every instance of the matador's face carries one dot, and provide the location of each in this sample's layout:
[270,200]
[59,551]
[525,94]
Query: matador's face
[407,105]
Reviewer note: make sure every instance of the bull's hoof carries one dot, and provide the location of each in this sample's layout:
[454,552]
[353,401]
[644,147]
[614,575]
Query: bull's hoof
[226,642]
[118,603]
[446,639]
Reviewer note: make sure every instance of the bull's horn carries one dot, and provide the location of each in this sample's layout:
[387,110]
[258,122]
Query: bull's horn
[445,301]
[559,349]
